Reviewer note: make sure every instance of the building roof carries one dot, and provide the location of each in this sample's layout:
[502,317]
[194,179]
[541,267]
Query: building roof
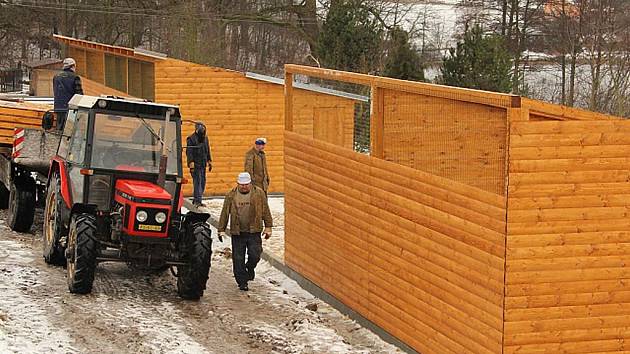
[137,53]
[308,87]
[43,62]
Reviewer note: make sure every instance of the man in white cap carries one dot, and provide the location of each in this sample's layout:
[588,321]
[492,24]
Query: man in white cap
[256,164]
[65,85]
[247,209]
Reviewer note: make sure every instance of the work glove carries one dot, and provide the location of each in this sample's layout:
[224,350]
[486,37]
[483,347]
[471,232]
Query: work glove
[267,233]
[191,166]
[220,235]
[209,167]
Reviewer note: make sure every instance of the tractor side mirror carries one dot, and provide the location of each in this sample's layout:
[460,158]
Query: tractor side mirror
[48,120]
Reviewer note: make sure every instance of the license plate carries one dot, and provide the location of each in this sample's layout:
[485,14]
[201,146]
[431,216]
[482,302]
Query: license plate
[143,227]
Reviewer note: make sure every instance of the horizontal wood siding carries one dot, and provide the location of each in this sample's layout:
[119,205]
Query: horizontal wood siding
[417,254]
[461,141]
[18,115]
[568,246]
[235,110]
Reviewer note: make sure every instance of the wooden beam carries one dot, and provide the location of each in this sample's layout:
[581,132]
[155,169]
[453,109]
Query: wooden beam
[377,123]
[288,101]
[455,93]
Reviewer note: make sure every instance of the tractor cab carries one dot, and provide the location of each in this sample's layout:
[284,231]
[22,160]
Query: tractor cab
[116,182]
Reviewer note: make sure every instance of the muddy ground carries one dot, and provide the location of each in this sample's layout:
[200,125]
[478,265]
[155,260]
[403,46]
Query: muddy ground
[130,312]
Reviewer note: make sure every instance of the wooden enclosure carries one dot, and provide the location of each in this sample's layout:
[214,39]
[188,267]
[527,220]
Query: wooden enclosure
[481,222]
[236,108]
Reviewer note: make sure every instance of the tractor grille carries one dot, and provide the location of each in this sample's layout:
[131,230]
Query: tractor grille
[100,191]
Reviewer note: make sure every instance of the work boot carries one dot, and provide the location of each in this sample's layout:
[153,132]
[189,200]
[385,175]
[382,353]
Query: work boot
[243,287]
[251,274]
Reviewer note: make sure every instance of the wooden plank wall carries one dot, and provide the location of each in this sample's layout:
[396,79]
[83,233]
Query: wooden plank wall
[568,242]
[462,141]
[417,254]
[43,81]
[18,115]
[235,110]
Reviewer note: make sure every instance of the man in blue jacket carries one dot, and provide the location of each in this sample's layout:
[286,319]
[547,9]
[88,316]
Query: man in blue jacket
[65,85]
[198,156]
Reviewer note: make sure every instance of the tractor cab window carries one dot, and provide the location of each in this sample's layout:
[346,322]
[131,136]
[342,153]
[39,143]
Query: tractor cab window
[78,137]
[67,133]
[133,144]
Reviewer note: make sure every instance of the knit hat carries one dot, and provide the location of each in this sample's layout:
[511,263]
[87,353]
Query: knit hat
[68,62]
[261,141]
[244,178]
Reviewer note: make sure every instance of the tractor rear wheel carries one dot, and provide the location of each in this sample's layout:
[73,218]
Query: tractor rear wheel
[21,205]
[53,225]
[81,253]
[4,196]
[192,277]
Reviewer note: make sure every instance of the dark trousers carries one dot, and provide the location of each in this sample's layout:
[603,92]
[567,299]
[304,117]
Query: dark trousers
[199,182]
[61,119]
[250,243]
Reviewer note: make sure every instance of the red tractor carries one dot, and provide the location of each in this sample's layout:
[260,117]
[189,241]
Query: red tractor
[114,193]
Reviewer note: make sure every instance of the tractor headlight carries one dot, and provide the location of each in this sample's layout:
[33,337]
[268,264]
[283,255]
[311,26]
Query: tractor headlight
[142,216]
[160,217]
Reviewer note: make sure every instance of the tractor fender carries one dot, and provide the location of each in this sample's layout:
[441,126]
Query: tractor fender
[192,218]
[80,208]
[56,164]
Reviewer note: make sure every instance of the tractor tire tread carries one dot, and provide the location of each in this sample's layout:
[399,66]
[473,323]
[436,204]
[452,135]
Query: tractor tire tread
[55,254]
[192,279]
[22,214]
[87,251]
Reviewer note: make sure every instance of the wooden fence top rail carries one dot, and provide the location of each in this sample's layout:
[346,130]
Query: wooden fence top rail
[110,49]
[459,94]
[559,112]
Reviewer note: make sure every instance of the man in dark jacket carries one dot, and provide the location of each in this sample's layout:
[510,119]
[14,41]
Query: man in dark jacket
[256,164]
[65,85]
[247,209]
[198,156]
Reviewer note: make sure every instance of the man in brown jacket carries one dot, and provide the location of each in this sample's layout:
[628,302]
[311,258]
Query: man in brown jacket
[256,164]
[246,207]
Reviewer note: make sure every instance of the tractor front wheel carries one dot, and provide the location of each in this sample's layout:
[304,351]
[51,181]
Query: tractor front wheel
[192,277]
[81,253]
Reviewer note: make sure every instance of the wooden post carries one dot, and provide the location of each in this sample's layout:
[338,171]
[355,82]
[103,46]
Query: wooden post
[288,101]
[377,122]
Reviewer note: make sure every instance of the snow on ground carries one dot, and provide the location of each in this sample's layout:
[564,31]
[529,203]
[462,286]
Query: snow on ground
[133,312]
[24,327]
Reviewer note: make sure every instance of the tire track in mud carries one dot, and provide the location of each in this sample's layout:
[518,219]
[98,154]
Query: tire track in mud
[132,312]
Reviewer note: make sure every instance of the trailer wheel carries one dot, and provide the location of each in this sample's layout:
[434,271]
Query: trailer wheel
[21,206]
[53,225]
[192,277]
[81,253]
[4,196]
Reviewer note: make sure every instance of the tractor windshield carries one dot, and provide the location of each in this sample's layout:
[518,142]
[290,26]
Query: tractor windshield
[127,143]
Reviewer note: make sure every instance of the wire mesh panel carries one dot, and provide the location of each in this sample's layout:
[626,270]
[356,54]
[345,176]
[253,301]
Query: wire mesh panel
[457,134]
[461,141]
[362,127]
[333,111]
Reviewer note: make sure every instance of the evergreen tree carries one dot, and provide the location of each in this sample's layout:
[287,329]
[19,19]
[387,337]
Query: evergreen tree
[351,38]
[479,62]
[403,62]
